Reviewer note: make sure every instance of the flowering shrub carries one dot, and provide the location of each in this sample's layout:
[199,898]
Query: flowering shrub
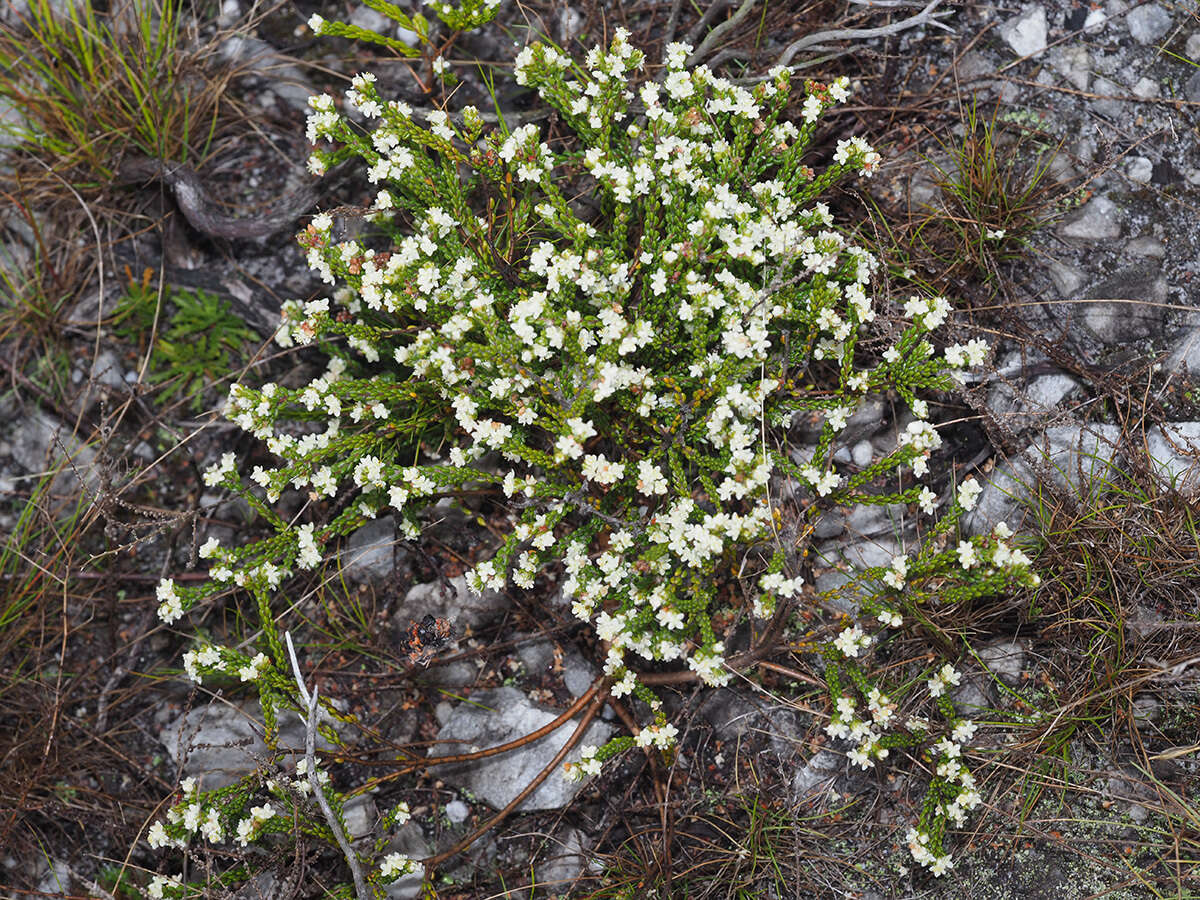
[616,333]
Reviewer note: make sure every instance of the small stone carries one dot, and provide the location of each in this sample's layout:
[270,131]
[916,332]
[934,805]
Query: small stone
[1185,353]
[1074,63]
[1005,660]
[862,454]
[1146,88]
[1146,709]
[578,674]
[456,674]
[1094,23]
[1100,219]
[1067,279]
[818,774]
[497,717]
[1139,169]
[1148,23]
[1146,246]
[450,599]
[561,863]
[970,699]
[1108,103]
[370,551]
[1066,452]
[364,17]
[1174,452]
[410,840]
[107,370]
[360,816]
[1191,88]
[42,444]
[1192,47]
[537,656]
[457,811]
[1023,409]
[218,744]
[1026,32]
[1127,306]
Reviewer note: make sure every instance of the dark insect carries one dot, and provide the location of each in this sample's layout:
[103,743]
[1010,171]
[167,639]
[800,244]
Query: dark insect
[423,639]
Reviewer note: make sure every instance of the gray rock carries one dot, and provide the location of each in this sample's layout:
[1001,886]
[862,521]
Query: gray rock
[862,423]
[1039,400]
[1139,169]
[1191,87]
[365,17]
[1148,23]
[1192,47]
[57,880]
[457,812]
[1107,104]
[370,552]
[578,673]
[1005,660]
[817,774]
[1067,279]
[1094,23]
[218,744]
[862,454]
[287,80]
[361,816]
[971,697]
[1145,621]
[845,560]
[1147,709]
[1112,318]
[42,444]
[1146,88]
[410,840]
[1174,452]
[12,122]
[453,601]
[1076,459]
[536,656]
[860,521]
[1100,219]
[455,674]
[1074,63]
[561,863]
[107,371]
[498,717]
[1026,32]
[730,712]
[1185,353]
[1146,246]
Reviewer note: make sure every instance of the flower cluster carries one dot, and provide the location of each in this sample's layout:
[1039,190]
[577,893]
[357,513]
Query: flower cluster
[626,375]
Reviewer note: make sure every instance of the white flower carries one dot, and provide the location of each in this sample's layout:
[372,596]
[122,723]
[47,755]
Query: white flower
[964,731]
[941,866]
[850,641]
[968,493]
[396,864]
[601,470]
[157,836]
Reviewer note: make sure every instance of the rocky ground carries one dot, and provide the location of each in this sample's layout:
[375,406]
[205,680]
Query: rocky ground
[1087,430]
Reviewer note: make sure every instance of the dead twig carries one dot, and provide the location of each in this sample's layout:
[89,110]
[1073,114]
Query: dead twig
[310,754]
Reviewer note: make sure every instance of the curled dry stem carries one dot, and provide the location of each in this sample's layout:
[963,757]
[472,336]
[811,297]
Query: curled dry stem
[597,694]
